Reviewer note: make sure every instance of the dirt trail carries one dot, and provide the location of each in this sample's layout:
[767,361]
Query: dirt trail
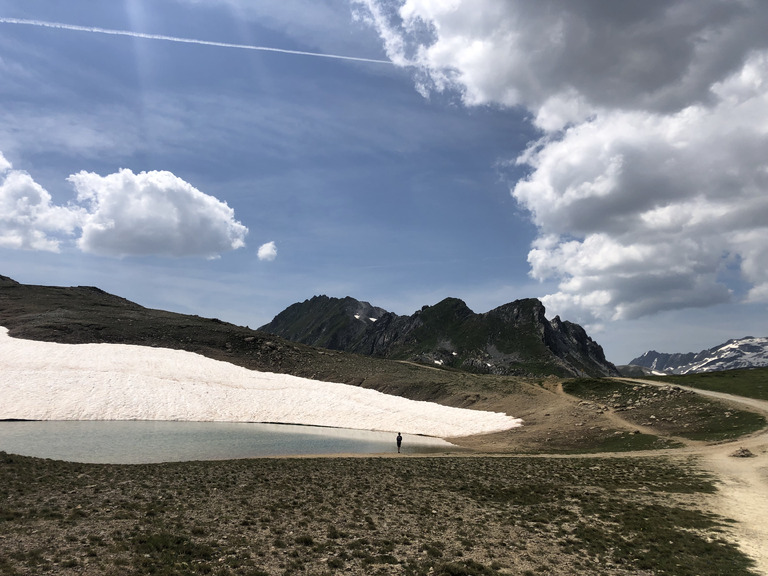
[742,482]
[743,493]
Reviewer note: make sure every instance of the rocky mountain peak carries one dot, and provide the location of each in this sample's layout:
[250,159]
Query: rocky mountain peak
[515,338]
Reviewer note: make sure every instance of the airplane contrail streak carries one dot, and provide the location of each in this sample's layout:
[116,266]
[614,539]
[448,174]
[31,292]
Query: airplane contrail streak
[95,30]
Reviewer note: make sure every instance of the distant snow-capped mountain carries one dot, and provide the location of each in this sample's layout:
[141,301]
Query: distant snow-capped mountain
[748,352]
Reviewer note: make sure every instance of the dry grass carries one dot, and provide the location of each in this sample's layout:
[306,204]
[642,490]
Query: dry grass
[413,516]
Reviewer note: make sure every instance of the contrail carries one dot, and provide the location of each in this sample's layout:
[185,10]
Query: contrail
[94,30]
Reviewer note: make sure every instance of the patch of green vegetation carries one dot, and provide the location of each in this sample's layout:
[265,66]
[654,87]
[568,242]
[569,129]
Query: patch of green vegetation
[451,327]
[465,568]
[668,409]
[163,552]
[751,382]
[650,541]
[304,540]
[631,442]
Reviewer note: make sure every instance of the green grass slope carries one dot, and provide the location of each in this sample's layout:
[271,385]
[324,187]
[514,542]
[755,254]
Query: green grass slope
[749,382]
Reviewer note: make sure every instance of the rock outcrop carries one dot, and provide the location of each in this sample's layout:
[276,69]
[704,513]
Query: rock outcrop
[515,338]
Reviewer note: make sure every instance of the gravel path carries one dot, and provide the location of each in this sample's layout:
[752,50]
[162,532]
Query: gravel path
[743,494]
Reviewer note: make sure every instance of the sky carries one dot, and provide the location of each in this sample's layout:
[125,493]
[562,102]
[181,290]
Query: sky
[228,158]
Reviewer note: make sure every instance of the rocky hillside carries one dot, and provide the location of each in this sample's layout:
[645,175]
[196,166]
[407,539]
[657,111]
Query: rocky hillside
[515,338]
[748,352]
[85,314]
[334,323]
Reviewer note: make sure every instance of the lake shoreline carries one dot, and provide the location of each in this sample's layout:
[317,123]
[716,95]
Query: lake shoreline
[146,442]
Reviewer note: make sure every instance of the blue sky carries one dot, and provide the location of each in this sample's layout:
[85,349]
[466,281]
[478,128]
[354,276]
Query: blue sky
[609,158]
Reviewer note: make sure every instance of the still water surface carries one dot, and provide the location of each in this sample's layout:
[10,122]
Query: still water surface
[143,442]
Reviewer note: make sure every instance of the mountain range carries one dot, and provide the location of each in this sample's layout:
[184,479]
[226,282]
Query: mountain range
[513,339]
[747,352]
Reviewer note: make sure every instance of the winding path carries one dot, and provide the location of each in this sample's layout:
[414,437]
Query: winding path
[743,493]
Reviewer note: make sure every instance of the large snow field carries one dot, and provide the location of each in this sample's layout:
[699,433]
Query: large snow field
[49,381]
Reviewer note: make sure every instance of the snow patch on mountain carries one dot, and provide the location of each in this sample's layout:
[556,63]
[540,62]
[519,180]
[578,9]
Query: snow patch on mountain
[50,381]
[748,352]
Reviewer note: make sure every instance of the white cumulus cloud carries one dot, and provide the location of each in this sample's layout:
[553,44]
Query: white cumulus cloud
[651,207]
[650,179]
[28,218]
[5,165]
[267,252]
[572,54]
[121,214]
[153,213]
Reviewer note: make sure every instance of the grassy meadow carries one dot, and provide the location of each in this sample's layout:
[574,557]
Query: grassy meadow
[749,382]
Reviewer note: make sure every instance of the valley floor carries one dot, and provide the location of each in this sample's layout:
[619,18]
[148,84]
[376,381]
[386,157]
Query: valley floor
[656,512]
[420,516]
[520,504]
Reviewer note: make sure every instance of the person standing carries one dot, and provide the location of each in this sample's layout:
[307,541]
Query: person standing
[399,442]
